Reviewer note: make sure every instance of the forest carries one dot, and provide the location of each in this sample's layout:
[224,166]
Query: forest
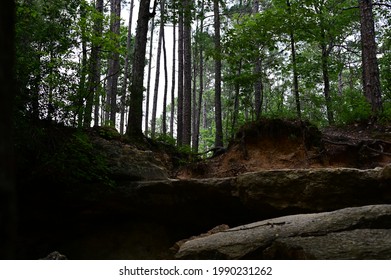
[107,109]
[81,64]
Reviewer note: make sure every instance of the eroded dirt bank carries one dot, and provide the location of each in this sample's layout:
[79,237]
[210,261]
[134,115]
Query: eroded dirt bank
[283,144]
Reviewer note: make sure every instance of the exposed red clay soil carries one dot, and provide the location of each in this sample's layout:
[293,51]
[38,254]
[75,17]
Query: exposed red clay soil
[282,144]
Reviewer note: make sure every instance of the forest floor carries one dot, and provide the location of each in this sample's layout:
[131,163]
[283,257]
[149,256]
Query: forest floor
[283,144]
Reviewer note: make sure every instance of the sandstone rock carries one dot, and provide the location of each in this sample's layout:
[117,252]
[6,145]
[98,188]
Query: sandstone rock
[255,196]
[314,190]
[361,244]
[126,162]
[302,236]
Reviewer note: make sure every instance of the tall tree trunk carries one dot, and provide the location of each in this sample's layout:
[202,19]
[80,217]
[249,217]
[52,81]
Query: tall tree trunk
[149,77]
[8,199]
[294,63]
[157,77]
[126,69]
[187,73]
[134,129]
[172,115]
[218,117]
[194,97]
[180,78]
[370,67]
[258,85]
[326,48]
[201,84]
[94,70]
[164,113]
[258,88]
[113,71]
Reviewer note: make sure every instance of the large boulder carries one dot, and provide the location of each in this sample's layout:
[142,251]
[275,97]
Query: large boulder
[350,233]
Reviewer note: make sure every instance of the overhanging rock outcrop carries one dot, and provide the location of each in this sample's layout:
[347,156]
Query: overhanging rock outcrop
[350,233]
[252,196]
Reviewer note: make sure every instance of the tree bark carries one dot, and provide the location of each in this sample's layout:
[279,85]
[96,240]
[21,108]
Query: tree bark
[294,64]
[187,73]
[180,78]
[113,71]
[197,119]
[164,113]
[258,85]
[218,117]
[157,77]
[149,78]
[370,67]
[134,129]
[172,116]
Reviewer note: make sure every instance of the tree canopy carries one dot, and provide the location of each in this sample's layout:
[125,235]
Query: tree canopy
[325,61]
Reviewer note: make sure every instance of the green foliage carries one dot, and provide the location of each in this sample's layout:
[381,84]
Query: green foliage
[59,155]
[108,132]
[351,107]
[165,138]
[78,161]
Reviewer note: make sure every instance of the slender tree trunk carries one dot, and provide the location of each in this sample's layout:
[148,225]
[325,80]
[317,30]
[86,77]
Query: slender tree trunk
[8,199]
[157,78]
[294,64]
[93,82]
[134,129]
[326,48]
[164,113]
[126,69]
[218,117]
[187,73]
[97,101]
[194,97]
[93,96]
[258,88]
[204,117]
[113,73]
[370,67]
[172,116]
[201,84]
[149,77]
[180,78]
[258,85]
